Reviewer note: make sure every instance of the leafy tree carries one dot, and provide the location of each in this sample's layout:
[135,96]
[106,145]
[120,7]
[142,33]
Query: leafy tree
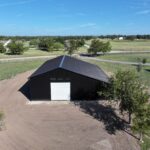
[46,44]
[71,46]
[141,121]
[130,37]
[50,45]
[99,46]
[127,89]
[34,42]
[2,48]
[58,46]
[16,48]
[80,42]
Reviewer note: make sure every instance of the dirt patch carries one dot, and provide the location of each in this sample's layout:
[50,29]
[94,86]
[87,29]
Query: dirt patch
[53,126]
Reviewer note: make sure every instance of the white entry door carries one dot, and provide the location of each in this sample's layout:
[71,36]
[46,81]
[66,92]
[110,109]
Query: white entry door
[60,91]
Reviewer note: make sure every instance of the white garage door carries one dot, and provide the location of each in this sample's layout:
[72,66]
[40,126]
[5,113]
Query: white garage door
[60,91]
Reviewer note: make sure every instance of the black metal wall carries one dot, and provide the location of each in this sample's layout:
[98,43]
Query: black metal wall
[82,88]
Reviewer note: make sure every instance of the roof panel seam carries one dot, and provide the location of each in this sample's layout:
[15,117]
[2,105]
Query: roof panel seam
[62,61]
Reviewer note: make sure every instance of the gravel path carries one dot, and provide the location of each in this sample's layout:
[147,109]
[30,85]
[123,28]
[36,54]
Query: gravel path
[52,126]
[113,61]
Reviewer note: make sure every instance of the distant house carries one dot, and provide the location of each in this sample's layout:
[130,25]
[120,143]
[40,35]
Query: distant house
[120,38]
[66,78]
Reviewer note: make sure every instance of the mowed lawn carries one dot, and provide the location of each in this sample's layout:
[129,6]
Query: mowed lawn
[131,45]
[137,45]
[127,57]
[112,68]
[33,52]
[10,69]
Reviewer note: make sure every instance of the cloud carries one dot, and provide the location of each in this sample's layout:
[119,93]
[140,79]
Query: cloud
[143,12]
[16,3]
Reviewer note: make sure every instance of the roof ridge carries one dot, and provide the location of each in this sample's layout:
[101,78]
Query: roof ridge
[62,61]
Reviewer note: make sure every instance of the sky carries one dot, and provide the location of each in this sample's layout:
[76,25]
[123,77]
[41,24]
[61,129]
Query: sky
[74,17]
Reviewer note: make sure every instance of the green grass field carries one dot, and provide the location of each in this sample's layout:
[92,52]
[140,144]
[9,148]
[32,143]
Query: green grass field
[34,52]
[146,144]
[10,69]
[126,57]
[138,45]
[112,68]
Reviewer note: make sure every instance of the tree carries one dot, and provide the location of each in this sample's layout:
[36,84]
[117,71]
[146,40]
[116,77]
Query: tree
[71,46]
[99,46]
[58,46]
[130,37]
[129,91]
[50,45]
[2,48]
[34,42]
[141,121]
[46,44]
[80,42]
[16,48]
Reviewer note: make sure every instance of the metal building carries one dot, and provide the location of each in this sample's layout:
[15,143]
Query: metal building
[66,78]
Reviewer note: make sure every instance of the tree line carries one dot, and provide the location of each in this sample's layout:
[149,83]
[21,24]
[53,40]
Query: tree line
[88,37]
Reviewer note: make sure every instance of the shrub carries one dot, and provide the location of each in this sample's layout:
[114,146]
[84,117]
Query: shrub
[16,48]
[144,60]
[46,44]
[99,46]
[1,120]
[58,46]
[2,48]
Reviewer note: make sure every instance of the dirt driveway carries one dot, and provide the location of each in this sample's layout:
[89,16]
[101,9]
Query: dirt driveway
[55,126]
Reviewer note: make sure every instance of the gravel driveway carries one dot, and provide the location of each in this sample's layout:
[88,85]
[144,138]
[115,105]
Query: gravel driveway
[55,126]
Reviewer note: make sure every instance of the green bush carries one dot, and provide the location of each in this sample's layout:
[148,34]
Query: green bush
[2,48]
[99,46]
[46,44]
[58,46]
[144,60]
[1,120]
[1,115]
[146,144]
[16,48]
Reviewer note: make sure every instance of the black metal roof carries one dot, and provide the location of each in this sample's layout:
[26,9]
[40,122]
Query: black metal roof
[73,65]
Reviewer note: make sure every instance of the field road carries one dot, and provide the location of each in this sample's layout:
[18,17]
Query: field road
[113,61]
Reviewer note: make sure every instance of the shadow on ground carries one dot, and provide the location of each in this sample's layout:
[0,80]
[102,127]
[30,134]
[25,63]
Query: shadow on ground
[104,114]
[25,90]
[148,70]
